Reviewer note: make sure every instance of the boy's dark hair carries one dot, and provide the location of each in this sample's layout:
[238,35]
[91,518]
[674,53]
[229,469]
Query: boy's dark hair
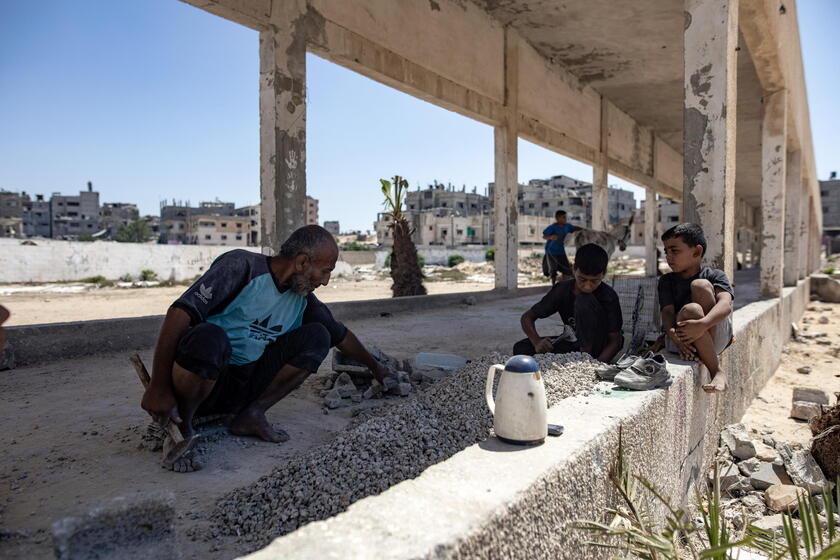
[591,259]
[559,213]
[691,234]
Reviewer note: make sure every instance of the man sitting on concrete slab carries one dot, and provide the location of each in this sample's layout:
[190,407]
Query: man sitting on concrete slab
[590,311]
[246,334]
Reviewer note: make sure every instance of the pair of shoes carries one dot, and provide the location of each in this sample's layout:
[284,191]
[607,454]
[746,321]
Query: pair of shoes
[645,374]
[607,372]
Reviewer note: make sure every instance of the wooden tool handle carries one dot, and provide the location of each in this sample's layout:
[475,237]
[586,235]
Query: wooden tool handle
[145,379]
[140,368]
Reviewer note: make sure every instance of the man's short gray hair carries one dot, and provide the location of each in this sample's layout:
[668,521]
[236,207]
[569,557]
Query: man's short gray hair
[306,240]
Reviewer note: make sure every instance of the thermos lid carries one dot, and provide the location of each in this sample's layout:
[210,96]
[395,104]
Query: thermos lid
[522,364]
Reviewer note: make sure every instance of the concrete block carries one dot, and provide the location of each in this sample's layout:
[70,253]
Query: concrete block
[122,529]
[404,389]
[803,410]
[810,395]
[772,523]
[335,403]
[749,466]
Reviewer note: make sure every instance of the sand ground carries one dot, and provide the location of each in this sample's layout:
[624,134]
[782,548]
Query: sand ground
[771,409]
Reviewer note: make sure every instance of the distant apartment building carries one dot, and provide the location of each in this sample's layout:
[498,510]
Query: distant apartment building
[830,199]
[175,219]
[213,229]
[73,216]
[311,211]
[668,215]
[11,214]
[114,215]
[37,221]
[332,227]
[254,223]
[441,215]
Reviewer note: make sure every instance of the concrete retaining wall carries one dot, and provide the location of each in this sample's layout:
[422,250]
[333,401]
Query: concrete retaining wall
[497,501]
[56,261]
[33,344]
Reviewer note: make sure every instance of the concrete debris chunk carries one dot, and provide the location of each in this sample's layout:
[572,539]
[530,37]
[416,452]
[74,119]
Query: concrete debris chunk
[404,389]
[804,370]
[121,529]
[805,472]
[357,398]
[335,403]
[783,497]
[810,395]
[728,475]
[764,450]
[767,475]
[749,466]
[823,320]
[754,503]
[739,442]
[772,523]
[804,410]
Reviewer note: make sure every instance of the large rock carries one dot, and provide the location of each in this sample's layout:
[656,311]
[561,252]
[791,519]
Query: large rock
[784,497]
[749,466]
[739,442]
[768,475]
[810,395]
[804,410]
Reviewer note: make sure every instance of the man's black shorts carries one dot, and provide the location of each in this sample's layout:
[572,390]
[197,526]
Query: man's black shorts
[205,351]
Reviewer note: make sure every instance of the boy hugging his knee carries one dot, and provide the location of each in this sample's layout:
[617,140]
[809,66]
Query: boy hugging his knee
[696,303]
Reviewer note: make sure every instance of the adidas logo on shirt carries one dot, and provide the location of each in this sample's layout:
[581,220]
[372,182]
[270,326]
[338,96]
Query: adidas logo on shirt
[204,293]
[260,330]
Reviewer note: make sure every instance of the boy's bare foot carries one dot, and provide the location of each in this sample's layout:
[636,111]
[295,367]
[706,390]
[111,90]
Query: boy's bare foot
[188,462]
[717,383]
[252,422]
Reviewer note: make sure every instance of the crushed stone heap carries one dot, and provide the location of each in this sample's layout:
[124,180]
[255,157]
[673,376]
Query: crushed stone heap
[396,444]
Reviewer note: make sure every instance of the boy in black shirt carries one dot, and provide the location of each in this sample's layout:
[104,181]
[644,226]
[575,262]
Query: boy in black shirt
[696,303]
[589,309]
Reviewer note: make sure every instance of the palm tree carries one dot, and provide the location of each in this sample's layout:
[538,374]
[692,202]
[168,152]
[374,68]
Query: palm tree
[405,270]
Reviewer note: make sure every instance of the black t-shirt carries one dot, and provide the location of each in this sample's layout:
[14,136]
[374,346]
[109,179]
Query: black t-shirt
[561,299]
[676,291]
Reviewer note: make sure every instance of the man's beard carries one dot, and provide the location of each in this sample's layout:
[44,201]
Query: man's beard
[301,284]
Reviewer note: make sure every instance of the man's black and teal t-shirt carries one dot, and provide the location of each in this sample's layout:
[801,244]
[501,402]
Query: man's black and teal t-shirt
[239,294]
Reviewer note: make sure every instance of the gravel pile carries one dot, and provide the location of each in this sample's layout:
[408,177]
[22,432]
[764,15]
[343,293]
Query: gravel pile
[395,444]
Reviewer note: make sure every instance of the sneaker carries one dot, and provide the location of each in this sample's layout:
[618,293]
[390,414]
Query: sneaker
[607,372]
[644,374]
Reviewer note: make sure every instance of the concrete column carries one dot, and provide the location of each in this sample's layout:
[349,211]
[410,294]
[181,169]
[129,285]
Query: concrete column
[793,202]
[600,178]
[283,124]
[506,166]
[651,239]
[804,228]
[773,160]
[709,124]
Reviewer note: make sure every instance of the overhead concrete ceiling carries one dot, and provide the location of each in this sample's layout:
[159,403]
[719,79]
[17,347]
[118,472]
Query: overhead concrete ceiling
[632,53]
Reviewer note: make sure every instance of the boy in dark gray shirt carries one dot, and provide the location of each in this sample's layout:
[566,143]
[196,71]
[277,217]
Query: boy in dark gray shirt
[696,303]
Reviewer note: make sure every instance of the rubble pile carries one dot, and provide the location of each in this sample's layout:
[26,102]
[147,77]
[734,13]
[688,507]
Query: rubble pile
[396,443]
[760,478]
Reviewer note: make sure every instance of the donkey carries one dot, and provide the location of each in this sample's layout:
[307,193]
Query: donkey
[617,237]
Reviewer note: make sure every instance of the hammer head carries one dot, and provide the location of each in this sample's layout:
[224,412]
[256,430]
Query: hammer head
[174,451]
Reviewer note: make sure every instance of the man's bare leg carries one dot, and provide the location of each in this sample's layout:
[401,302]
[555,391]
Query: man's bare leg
[251,420]
[190,390]
[705,347]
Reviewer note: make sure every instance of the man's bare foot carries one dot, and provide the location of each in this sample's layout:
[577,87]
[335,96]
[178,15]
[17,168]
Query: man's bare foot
[717,383]
[252,422]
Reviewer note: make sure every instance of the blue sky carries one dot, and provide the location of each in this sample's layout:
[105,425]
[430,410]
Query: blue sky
[156,100]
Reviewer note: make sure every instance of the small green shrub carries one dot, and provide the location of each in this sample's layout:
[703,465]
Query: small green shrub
[455,260]
[356,246]
[490,255]
[98,279]
[86,238]
[829,270]
[148,275]
[126,278]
